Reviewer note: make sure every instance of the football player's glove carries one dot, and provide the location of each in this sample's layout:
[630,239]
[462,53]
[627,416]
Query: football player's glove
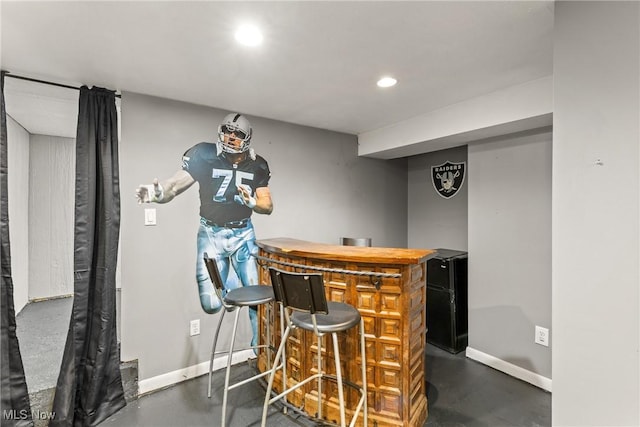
[244,197]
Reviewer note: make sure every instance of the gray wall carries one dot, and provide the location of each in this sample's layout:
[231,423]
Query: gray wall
[510,248]
[18,195]
[321,191]
[502,216]
[51,216]
[436,222]
[596,159]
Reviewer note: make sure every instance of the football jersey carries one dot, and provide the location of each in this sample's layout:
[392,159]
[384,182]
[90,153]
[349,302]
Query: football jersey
[219,178]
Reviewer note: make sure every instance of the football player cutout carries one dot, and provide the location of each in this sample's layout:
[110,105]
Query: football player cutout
[233,183]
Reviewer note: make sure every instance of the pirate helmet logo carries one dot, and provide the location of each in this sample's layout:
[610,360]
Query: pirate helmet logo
[448,178]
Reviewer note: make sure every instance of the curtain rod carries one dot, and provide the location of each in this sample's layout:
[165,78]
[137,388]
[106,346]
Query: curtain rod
[15,76]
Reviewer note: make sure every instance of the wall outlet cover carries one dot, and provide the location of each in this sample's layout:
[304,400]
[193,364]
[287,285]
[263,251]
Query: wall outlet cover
[542,336]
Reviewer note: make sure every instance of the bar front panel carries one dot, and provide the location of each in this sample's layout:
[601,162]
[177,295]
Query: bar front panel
[393,310]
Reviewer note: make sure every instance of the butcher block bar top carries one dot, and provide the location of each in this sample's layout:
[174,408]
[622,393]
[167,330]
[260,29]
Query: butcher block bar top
[388,287]
[304,249]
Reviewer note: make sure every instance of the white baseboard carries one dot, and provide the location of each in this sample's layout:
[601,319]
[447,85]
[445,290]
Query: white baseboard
[510,369]
[170,378]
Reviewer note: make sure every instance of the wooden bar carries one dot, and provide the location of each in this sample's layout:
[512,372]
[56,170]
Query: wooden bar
[393,309]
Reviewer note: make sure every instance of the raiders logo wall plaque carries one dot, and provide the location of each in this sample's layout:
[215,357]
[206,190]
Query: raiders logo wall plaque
[448,178]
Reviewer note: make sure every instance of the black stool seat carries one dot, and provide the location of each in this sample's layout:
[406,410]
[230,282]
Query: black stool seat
[250,295]
[341,317]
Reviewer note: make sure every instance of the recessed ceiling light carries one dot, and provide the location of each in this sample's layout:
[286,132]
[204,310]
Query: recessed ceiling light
[387,82]
[249,35]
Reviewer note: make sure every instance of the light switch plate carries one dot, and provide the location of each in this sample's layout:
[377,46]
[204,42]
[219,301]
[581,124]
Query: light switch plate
[149,217]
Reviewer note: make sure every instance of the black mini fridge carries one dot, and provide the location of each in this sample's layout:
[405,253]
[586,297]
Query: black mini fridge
[447,311]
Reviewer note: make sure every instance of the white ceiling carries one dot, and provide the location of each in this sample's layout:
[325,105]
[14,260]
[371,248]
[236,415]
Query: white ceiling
[317,66]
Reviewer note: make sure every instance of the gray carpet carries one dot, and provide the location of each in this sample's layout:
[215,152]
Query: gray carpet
[42,331]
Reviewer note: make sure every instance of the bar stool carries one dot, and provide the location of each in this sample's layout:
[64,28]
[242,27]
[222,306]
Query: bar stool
[234,300]
[303,297]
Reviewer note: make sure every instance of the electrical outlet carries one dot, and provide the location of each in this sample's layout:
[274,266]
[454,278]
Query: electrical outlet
[542,336]
[149,217]
[194,327]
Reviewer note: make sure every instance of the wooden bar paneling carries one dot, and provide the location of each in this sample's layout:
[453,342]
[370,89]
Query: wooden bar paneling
[395,323]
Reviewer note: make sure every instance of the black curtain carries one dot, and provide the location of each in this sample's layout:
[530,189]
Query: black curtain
[16,409]
[89,386]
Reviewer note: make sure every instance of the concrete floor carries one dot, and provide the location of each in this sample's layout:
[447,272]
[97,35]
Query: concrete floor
[460,391]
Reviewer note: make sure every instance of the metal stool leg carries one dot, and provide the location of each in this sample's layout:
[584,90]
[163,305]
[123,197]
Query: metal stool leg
[363,354]
[213,350]
[283,361]
[272,375]
[336,356]
[226,378]
[320,371]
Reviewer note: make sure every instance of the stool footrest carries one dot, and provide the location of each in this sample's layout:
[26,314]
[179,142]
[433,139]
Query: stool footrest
[295,387]
[247,380]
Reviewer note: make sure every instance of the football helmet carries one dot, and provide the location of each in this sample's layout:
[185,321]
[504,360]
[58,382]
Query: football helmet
[241,128]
